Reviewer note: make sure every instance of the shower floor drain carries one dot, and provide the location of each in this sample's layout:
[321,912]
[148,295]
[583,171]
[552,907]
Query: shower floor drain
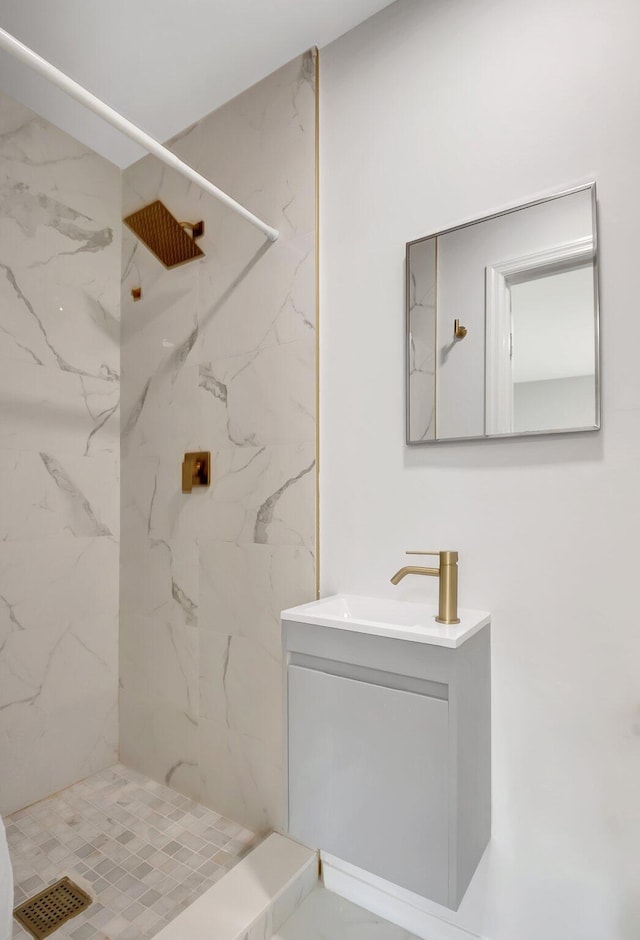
[54,906]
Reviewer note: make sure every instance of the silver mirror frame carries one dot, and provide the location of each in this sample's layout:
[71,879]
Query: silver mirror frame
[591,186]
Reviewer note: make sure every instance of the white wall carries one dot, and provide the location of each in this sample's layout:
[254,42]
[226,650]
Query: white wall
[431,113]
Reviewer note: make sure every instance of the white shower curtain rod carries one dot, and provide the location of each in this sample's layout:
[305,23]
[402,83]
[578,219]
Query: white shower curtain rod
[17,49]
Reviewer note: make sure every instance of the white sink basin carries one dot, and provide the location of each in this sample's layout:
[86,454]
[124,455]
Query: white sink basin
[382,616]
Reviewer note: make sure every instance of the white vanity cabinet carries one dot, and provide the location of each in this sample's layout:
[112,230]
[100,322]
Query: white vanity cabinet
[388,748]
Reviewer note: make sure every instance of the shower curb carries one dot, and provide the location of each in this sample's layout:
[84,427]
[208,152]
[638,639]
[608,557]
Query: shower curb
[254,899]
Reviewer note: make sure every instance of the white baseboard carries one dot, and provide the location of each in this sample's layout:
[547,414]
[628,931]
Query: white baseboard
[397,905]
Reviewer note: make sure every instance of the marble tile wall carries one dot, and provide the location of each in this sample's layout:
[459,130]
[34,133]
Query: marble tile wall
[219,355]
[59,458]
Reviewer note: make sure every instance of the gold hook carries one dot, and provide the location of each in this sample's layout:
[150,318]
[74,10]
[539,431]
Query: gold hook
[459,332]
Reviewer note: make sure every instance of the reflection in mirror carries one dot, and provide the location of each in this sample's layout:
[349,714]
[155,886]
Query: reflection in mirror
[421,290]
[524,285]
[553,366]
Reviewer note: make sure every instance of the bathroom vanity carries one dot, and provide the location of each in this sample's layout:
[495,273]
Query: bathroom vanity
[388,739]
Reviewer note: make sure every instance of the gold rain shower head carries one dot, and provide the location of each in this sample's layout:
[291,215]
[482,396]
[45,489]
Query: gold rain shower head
[164,236]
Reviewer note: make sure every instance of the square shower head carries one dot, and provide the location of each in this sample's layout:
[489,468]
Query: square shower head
[163,235]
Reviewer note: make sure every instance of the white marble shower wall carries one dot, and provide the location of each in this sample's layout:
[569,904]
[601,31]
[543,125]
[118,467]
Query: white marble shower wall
[59,458]
[219,355]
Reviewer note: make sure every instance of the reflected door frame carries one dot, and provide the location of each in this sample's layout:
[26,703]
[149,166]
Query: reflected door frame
[499,278]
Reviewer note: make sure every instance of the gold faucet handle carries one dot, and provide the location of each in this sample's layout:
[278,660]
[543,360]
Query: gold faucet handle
[446,557]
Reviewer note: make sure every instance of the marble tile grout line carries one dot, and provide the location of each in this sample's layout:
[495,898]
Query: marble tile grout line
[141,850]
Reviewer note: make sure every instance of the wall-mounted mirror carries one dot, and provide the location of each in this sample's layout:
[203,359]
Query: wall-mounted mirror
[502,324]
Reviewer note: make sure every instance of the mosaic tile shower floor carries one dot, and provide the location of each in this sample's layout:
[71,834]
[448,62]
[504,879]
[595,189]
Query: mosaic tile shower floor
[142,851]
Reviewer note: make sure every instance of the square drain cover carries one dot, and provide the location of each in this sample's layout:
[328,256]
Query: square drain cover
[54,906]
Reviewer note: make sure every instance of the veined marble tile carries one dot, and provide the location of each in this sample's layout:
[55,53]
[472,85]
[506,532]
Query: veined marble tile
[58,706]
[274,487]
[48,495]
[159,740]
[152,502]
[159,357]
[44,757]
[247,701]
[243,588]
[68,319]
[241,729]
[158,325]
[34,664]
[159,579]
[250,302]
[160,414]
[266,495]
[268,396]
[59,450]
[163,658]
[49,410]
[57,581]
[240,775]
[60,231]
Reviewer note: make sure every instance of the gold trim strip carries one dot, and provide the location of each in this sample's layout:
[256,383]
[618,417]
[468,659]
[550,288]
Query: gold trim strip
[317,325]
[436,356]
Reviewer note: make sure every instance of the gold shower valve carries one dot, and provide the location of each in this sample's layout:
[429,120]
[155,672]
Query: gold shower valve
[196,470]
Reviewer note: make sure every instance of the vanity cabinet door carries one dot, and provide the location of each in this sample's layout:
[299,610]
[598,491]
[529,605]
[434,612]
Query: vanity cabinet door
[368,775]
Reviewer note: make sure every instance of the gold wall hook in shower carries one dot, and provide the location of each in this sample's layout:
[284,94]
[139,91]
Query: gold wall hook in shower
[459,332]
[196,470]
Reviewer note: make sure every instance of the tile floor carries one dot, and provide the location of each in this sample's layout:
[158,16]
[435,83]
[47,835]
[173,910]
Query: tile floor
[325,916]
[142,851]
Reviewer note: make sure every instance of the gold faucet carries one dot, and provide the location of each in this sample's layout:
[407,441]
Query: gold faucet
[448,576]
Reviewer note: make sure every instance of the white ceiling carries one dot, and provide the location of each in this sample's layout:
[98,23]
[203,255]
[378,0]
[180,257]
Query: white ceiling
[162,63]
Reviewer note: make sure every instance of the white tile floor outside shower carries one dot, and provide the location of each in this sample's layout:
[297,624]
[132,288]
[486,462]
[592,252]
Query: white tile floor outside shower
[326,916]
[142,851]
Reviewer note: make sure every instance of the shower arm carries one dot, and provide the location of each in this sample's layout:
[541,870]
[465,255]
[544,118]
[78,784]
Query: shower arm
[19,51]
